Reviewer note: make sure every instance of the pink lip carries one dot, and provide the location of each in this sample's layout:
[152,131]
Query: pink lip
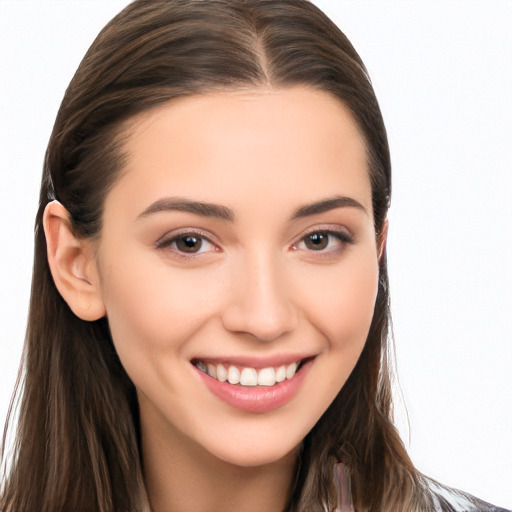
[257,399]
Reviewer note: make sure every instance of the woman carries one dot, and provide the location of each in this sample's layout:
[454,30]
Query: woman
[172,267]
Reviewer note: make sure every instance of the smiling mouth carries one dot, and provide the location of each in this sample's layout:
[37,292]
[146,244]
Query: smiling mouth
[248,376]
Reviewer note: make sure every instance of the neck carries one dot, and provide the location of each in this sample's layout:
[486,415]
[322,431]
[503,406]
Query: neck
[182,476]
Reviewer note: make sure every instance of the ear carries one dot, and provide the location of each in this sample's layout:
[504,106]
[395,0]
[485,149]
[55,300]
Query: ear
[72,264]
[382,239]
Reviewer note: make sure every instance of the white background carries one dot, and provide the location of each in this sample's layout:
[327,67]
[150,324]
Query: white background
[442,74]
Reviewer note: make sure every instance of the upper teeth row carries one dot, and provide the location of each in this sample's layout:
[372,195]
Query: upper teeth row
[249,376]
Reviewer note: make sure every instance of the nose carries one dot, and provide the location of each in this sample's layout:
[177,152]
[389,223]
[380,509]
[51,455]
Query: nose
[261,302]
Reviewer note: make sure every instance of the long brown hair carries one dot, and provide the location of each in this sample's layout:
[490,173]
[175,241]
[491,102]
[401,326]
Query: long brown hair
[77,443]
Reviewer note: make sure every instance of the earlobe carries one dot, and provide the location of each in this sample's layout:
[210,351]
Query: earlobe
[382,239]
[72,264]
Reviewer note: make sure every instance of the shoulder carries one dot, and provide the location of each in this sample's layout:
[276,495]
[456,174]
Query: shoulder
[439,498]
[452,500]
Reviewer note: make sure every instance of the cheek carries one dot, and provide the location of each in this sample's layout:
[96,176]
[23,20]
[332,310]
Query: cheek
[341,305]
[152,310]
[354,301]
[342,311]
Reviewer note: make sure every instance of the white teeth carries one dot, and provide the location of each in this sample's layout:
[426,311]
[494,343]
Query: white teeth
[290,370]
[233,375]
[212,371]
[267,377]
[281,374]
[222,374]
[249,377]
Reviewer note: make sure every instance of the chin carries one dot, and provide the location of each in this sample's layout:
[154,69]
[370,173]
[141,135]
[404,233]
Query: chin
[257,455]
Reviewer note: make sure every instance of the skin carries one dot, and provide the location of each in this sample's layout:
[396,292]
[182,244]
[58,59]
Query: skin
[256,287]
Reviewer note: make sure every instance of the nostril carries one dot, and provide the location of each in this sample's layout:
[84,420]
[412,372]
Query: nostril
[259,303]
[258,323]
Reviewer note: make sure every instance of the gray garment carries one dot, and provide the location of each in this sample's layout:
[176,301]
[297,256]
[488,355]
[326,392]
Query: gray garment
[444,499]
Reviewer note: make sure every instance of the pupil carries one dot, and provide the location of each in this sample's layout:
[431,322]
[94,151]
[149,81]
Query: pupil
[189,243]
[317,241]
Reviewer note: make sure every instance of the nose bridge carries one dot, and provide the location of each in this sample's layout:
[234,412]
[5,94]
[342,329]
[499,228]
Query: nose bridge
[261,302]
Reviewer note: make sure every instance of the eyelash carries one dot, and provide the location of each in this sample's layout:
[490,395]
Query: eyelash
[167,242]
[341,236]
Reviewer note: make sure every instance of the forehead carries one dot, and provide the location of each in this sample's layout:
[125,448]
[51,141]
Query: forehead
[241,147]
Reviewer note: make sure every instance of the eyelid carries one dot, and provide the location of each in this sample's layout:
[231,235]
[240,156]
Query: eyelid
[344,236]
[184,231]
[326,228]
[166,240]
[342,233]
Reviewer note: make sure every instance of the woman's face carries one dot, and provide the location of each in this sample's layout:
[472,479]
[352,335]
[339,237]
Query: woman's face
[239,241]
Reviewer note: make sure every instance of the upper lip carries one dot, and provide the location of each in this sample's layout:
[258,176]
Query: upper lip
[255,362]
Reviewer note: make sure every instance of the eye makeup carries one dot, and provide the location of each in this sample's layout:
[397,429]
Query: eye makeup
[191,243]
[187,243]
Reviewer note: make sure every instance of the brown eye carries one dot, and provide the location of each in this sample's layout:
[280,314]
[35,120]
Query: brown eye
[317,241]
[324,242]
[188,243]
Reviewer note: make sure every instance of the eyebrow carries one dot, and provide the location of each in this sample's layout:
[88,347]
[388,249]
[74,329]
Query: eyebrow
[224,213]
[182,204]
[326,205]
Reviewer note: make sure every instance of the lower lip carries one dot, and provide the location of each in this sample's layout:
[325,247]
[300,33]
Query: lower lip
[256,399]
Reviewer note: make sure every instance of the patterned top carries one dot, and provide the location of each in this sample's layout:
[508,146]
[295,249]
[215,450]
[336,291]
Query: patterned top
[445,498]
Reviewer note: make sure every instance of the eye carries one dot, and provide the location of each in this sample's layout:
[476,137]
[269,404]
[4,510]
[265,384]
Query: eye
[317,241]
[323,241]
[187,243]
